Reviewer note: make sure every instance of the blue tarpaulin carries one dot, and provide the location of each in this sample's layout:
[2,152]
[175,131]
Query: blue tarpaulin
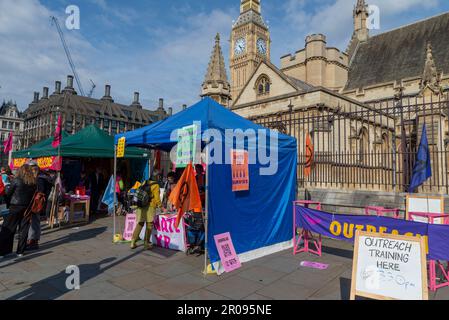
[260,218]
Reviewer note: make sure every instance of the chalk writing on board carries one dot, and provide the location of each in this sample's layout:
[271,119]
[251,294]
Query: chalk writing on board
[390,266]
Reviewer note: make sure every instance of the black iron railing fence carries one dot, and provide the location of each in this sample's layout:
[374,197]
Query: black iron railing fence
[369,148]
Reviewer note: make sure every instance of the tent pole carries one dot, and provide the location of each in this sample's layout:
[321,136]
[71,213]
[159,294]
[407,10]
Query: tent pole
[206,219]
[115,194]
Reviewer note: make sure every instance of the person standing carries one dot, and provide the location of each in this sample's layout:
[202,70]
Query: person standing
[168,188]
[6,176]
[147,212]
[19,195]
[84,181]
[52,175]
[44,186]
[96,181]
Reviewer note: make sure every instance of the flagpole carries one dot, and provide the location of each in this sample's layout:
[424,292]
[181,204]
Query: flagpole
[206,218]
[10,150]
[113,187]
[59,161]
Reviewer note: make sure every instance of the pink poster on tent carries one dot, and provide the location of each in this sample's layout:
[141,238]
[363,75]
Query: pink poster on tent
[227,253]
[130,225]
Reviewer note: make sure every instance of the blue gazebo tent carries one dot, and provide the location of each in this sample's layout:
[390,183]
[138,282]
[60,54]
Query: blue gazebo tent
[259,220]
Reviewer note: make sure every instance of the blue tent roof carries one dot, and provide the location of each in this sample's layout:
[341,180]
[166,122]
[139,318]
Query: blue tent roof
[207,111]
[260,218]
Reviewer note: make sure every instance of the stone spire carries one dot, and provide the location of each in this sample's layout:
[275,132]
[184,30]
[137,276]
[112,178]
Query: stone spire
[361,31]
[216,84]
[360,18]
[360,7]
[431,78]
[246,5]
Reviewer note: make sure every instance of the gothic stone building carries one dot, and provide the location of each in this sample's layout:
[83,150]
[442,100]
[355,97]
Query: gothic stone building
[364,108]
[10,121]
[78,112]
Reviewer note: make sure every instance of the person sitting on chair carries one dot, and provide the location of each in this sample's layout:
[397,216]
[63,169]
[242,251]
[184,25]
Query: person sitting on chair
[195,233]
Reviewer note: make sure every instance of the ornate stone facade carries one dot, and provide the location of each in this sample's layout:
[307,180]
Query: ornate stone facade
[216,84]
[363,108]
[250,44]
[11,120]
[78,112]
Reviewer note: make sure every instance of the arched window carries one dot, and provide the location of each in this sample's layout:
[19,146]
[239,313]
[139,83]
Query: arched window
[364,145]
[385,150]
[263,85]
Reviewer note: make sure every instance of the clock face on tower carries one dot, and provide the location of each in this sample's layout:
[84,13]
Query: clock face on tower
[240,46]
[262,46]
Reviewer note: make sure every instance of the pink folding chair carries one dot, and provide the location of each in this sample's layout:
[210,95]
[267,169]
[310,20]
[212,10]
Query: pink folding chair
[311,243]
[435,282]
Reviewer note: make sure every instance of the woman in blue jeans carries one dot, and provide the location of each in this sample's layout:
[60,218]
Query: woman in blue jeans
[19,195]
[195,233]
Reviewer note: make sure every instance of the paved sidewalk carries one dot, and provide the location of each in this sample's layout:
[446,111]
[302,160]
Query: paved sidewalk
[113,271]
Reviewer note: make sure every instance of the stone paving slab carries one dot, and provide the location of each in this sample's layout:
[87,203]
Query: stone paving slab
[141,294]
[283,290]
[256,296]
[114,271]
[136,280]
[203,294]
[262,274]
[173,269]
[176,287]
[99,291]
[235,287]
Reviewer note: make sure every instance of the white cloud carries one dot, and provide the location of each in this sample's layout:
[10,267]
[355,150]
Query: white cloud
[172,66]
[31,54]
[169,61]
[334,19]
[126,15]
[389,7]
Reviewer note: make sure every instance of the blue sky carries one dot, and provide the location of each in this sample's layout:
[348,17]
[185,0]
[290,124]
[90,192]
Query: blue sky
[161,47]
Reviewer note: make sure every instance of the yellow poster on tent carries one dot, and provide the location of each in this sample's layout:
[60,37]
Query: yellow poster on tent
[121,147]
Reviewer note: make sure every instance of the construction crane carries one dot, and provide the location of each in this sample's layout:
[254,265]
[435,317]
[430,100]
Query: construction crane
[54,21]
[92,89]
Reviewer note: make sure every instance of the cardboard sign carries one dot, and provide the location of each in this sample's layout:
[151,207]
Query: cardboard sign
[240,171]
[423,204]
[130,225]
[165,235]
[228,256]
[17,163]
[121,147]
[186,148]
[389,267]
[50,163]
[44,163]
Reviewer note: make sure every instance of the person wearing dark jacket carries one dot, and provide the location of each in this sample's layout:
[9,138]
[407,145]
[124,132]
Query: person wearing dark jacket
[96,182]
[44,186]
[19,195]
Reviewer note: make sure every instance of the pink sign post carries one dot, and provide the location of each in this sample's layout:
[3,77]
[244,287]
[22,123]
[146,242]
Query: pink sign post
[130,225]
[227,253]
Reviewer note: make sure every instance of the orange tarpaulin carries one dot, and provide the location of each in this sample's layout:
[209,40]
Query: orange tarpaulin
[185,196]
[309,156]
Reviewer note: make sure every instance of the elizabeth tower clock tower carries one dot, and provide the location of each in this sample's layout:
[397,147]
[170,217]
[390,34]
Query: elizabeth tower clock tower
[250,44]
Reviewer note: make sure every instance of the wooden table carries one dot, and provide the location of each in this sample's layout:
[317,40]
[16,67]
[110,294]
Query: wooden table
[308,203]
[79,209]
[381,211]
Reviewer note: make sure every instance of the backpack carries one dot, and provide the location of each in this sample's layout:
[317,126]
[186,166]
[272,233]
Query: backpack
[38,203]
[2,188]
[36,206]
[143,195]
